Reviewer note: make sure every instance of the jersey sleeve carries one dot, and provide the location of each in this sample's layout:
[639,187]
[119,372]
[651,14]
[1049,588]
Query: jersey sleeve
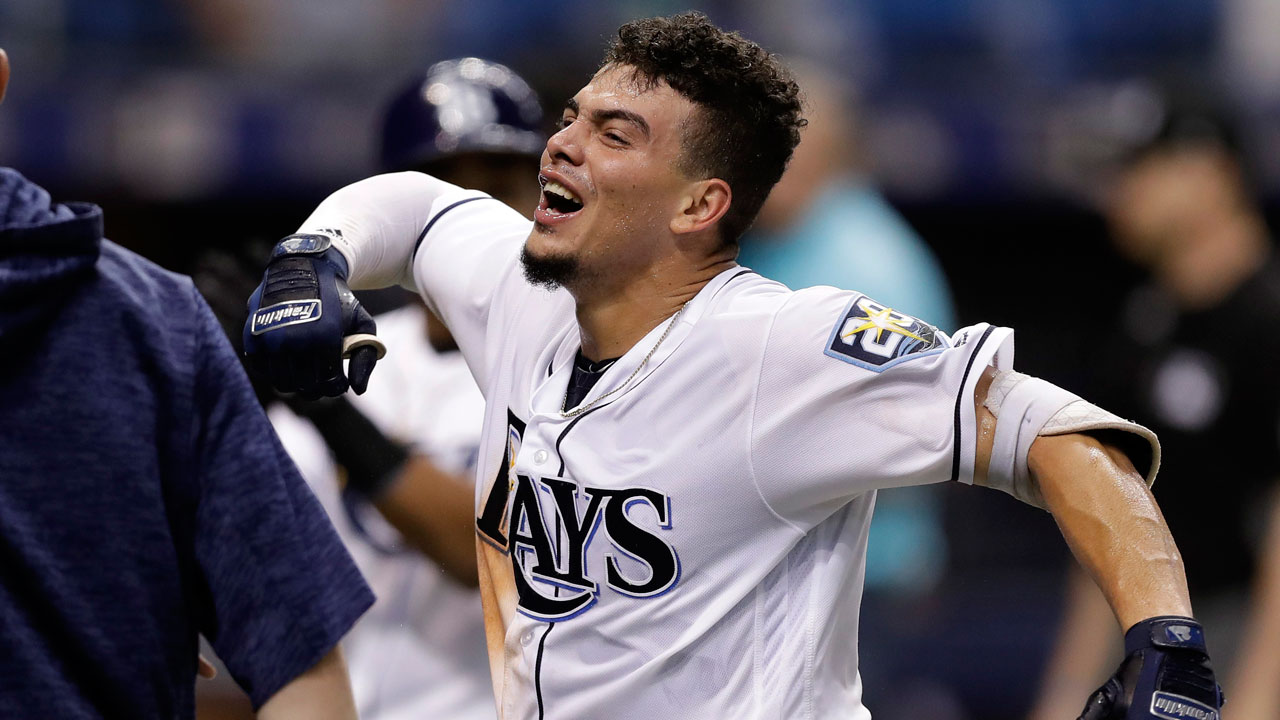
[854,396]
[468,248]
[279,590]
[455,247]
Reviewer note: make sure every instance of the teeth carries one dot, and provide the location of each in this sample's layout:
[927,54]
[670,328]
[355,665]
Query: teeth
[554,187]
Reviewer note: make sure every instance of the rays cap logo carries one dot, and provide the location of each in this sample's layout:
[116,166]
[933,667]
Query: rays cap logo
[284,314]
[877,337]
[1177,707]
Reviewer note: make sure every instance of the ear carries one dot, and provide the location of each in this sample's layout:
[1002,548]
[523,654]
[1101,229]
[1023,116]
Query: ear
[702,207]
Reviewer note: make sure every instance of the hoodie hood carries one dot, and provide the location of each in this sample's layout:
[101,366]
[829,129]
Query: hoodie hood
[46,250]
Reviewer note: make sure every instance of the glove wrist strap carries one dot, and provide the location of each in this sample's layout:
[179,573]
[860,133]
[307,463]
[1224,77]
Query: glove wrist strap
[1167,632]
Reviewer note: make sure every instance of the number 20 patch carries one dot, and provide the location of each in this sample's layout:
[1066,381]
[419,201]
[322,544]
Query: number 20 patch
[876,337]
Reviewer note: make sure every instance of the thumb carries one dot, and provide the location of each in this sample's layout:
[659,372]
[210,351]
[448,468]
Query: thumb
[362,361]
[1101,705]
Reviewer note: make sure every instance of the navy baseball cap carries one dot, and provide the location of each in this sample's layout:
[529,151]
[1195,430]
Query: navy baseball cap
[461,106]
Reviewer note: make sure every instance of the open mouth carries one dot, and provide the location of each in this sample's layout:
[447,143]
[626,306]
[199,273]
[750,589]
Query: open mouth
[559,200]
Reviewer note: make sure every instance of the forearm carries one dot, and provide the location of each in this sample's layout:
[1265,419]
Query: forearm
[1112,524]
[321,693]
[1034,442]
[375,224]
[432,510]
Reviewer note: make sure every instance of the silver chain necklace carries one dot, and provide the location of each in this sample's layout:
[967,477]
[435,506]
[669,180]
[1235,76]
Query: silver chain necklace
[583,408]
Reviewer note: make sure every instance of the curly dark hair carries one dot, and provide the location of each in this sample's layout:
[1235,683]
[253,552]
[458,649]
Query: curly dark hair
[749,120]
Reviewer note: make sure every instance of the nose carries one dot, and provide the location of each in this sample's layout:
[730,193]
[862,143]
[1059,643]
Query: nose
[566,144]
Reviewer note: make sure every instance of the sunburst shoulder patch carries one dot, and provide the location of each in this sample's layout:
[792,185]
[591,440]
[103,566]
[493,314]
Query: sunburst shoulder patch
[876,337]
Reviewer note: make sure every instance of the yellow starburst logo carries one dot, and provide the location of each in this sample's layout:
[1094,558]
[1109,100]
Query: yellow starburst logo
[883,321]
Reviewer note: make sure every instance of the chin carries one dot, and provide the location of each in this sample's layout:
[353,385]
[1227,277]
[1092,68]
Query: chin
[548,269]
[548,241]
[539,243]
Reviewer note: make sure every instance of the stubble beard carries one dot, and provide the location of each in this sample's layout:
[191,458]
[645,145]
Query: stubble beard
[550,272]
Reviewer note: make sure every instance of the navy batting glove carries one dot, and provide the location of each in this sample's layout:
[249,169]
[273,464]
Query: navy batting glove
[303,319]
[1165,675]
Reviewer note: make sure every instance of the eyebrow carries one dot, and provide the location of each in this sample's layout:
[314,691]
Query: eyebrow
[601,116]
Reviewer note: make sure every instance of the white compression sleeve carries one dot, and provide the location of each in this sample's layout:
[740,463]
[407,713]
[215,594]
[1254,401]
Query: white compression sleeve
[1027,407]
[375,224]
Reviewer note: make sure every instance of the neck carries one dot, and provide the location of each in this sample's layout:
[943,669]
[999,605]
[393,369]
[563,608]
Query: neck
[611,324]
[1214,261]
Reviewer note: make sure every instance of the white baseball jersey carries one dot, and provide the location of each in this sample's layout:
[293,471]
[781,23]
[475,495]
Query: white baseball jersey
[420,651]
[691,544]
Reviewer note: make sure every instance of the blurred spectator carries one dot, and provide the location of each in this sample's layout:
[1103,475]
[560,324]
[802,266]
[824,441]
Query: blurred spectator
[1191,354]
[144,499]
[394,466]
[825,224]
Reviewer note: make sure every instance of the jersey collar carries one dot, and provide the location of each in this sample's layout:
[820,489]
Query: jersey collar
[549,396]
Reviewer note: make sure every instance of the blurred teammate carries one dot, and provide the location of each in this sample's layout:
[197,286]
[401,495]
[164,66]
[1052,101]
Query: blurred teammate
[143,497]
[1192,354]
[680,457]
[408,446]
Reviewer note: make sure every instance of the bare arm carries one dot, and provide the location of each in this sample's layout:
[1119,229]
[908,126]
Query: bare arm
[432,510]
[1107,515]
[1255,684]
[1113,526]
[321,693]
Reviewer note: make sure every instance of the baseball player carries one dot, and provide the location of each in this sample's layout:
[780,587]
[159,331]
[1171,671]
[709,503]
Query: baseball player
[680,457]
[419,652]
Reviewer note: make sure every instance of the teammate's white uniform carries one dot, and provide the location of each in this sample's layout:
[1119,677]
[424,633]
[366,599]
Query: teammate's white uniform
[692,545]
[419,651]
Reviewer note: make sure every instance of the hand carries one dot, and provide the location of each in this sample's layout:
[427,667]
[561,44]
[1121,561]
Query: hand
[303,320]
[1165,675]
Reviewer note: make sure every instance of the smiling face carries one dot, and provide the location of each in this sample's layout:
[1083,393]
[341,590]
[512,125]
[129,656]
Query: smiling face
[612,187]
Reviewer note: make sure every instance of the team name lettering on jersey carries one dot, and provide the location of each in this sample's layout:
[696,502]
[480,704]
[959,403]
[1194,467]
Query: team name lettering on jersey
[538,523]
[282,314]
[876,337]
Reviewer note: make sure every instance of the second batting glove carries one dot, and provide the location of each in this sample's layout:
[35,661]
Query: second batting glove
[1165,675]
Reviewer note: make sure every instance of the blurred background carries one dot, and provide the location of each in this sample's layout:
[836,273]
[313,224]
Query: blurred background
[192,121]
[994,127]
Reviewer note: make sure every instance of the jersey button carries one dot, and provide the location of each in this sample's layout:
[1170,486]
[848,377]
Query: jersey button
[527,637]
[540,457]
